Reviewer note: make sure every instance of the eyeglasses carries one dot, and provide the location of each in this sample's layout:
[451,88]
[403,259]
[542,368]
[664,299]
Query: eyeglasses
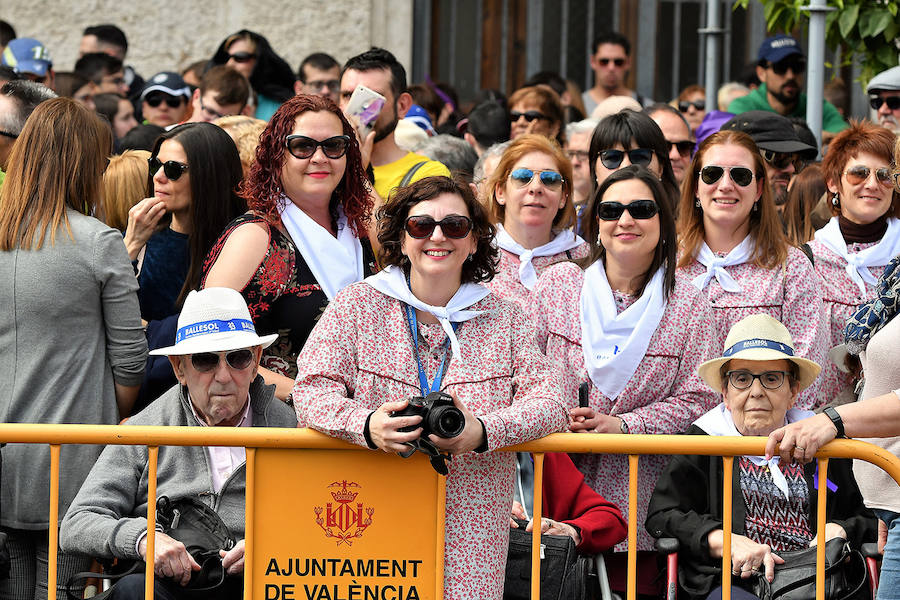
[685,147]
[858,174]
[684,105]
[781,67]
[171,168]
[241,57]
[771,380]
[422,226]
[154,100]
[604,62]
[9,135]
[896,177]
[211,112]
[236,359]
[333,85]
[530,115]
[612,159]
[779,160]
[893,102]
[579,154]
[550,179]
[638,209]
[301,146]
[113,79]
[741,176]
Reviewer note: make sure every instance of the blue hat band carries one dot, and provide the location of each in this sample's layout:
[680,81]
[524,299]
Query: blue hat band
[757,343]
[208,327]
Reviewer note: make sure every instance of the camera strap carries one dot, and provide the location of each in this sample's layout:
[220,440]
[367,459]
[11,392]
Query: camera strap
[435,386]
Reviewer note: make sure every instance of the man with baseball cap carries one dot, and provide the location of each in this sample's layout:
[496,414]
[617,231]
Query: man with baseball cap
[164,99]
[884,98]
[216,359]
[30,59]
[781,67]
[779,145]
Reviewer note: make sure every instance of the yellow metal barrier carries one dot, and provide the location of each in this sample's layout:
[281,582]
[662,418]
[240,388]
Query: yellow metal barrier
[632,445]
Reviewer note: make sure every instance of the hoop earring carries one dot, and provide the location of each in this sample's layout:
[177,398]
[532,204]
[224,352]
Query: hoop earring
[836,200]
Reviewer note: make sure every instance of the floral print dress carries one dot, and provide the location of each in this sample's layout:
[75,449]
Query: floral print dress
[506,283]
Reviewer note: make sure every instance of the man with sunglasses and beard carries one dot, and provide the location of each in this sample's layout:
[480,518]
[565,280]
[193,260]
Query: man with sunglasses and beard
[884,98]
[216,359]
[610,61]
[781,68]
[164,99]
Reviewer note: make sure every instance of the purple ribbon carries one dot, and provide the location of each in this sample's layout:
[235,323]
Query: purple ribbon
[828,483]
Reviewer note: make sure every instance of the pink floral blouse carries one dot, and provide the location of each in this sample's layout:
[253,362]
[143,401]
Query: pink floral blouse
[664,395]
[791,293]
[841,297]
[506,283]
[360,355]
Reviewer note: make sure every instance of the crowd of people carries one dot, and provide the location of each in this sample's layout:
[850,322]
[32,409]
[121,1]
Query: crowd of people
[232,245]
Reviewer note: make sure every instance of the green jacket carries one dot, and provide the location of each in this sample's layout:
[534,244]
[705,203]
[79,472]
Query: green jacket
[832,121]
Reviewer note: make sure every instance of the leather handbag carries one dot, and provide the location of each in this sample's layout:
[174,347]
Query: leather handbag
[845,574]
[565,574]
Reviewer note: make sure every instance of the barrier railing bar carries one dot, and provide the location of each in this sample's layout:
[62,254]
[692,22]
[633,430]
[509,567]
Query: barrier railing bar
[249,508]
[727,470]
[52,545]
[631,591]
[820,528]
[439,548]
[538,525]
[149,579]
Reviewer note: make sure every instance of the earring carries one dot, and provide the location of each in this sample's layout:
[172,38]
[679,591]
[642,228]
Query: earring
[755,206]
[470,257]
[599,243]
[835,200]
[697,202]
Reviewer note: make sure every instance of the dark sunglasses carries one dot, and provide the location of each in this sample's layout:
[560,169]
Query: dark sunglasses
[242,57]
[612,159]
[530,115]
[236,359]
[454,226]
[550,179]
[779,160]
[155,100]
[619,62]
[685,147]
[781,67]
[301,146]
[9,135]
[171,168]
[638,209]
[684,105]
[858,174]
[741,176]
[893,102]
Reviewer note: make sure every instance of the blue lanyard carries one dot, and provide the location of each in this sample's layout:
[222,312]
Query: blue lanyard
[423,378]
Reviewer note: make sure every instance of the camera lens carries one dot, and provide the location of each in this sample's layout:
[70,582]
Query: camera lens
[446,421]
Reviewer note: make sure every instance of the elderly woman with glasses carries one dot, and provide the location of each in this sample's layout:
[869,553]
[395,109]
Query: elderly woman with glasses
[305,236]
[733,248]
[760,378]
[531,202]
[426,324]
[536,109]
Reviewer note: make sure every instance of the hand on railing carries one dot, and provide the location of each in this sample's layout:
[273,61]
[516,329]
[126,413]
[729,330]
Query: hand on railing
[746,555]
[587,420]
[233,560]
[799,441]
[171,558]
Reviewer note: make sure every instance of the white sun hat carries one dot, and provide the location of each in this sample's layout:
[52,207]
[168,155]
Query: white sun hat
[214,320]
[758,337]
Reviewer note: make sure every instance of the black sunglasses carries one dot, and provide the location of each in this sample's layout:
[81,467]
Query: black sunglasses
[619,62]
[171,168]
[779,160]
[530,115]
[242,57]
[454,226]
[684,105]
[301,146]
[236,359]
[893,102]
[612,159]
[741,176]
[9,135]
[638,209]
[155,100]
[685,147]
[781,67]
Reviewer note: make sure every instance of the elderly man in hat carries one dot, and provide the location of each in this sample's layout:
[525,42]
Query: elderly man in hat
[216,359]
[884,98]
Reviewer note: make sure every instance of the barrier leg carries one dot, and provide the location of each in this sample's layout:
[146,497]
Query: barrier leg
[52,542]
[149,579]
[632,526]
[249,508]
[536,530]
[728,469]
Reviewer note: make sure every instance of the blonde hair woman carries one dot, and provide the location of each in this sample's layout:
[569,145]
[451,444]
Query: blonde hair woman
[124,185]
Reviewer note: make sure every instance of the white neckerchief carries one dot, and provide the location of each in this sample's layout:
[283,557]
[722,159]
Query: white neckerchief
[615,343]
[715,265]
[563,241]
[718,421]
[334,262]
[392,282]
[858,263]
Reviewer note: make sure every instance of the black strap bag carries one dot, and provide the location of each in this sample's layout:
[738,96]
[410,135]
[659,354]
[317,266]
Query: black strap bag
[845,574]
[195,525]
[565,574]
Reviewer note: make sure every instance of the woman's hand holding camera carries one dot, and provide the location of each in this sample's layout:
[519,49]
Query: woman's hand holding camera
[472,437]
[385,429]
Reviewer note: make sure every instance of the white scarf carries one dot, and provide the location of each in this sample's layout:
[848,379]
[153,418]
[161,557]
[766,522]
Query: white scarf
[563,241]
[392,282]
[615,343]
[334,262]
[858,263]
[715,265]
[718,421]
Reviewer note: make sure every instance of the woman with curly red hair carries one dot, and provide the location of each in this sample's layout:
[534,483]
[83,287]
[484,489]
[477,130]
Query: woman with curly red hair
[304,237]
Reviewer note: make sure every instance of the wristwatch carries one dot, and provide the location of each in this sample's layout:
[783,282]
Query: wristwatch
[835,417]
[623,426]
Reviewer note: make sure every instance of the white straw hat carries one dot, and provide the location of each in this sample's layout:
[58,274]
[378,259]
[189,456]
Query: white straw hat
[758,337]
[214,320]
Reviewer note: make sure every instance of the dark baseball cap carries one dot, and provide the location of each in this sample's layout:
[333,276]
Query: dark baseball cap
[778,47]
[769,130]
[168,82]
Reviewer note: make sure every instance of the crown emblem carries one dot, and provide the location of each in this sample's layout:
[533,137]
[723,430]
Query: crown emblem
[344,520]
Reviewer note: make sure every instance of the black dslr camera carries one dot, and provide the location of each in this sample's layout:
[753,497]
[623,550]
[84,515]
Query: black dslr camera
[440,417]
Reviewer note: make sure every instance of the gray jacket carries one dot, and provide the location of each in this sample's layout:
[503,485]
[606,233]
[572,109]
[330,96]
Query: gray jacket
[108,515]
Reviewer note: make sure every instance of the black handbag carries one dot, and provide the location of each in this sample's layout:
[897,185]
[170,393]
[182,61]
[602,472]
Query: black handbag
[845,574]
[565,574]
[195,525]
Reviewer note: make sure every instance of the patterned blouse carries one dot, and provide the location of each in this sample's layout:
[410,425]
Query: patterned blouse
[791,293]
[506,283]
[360,355]
[664,395]
[782,523]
